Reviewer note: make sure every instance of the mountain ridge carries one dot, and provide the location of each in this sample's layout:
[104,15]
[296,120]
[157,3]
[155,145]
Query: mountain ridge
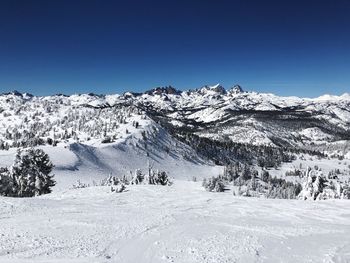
[211,112]
[169,89]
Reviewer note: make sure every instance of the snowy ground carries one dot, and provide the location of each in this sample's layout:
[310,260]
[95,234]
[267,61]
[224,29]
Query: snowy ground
[90,164]
[324,164]
[180,223]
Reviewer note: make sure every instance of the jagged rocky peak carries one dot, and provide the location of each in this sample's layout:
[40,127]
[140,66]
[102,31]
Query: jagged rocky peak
[16,93]
[130,95]
[236,89]
[163,90]
[19,94]
[216,89]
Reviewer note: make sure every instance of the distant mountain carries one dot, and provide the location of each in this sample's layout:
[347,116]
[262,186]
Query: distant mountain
[253,118]
[211,112]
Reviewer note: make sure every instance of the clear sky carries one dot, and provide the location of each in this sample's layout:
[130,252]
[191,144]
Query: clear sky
[284,47]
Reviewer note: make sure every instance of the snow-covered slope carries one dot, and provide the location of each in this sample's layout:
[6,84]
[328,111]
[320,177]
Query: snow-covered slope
[137,124]
[211,111]
[181,223]
[89,137]
[136,142]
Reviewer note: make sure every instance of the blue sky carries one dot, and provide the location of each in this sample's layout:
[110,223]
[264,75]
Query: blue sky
[284,47]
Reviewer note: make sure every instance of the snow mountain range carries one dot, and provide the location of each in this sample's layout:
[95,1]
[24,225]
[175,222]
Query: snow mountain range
[212,112]
[250,117]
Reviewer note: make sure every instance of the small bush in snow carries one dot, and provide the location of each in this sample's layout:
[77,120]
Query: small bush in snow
[107,139]
[153,177]
[214,184]
[118,188]
[345,193]
[80,185]
[138,177]
[110,181]
[117,185]
[160,178]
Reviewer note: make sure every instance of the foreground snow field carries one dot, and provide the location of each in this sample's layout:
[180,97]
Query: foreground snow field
[180,223]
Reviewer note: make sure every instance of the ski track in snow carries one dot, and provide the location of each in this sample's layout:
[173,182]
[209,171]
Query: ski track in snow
[180,223]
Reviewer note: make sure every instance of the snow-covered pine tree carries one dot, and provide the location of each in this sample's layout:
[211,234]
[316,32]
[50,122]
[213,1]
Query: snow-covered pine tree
[138,177]
[162,178]
[30,173]
[345,191]
[314,185]
[214,184]
[151,177]
[7,182]
[318,185]
[44,181]
[118,188]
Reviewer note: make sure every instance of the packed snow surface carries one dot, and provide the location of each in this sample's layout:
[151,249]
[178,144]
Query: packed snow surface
[180,223]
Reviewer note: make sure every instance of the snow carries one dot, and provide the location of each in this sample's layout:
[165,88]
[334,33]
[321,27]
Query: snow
[325,165]
[347,156]
[327,97]
[93,162]
[209,104]
[180,223]
[314,134]
[207,115]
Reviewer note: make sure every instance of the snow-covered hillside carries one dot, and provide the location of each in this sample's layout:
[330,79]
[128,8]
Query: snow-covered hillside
[93,161]
[187,134]
[255,118]
[85,136]
[211,111]
[181,223]
[114,134]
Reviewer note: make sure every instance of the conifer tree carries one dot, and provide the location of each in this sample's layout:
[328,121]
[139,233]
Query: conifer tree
[28,176]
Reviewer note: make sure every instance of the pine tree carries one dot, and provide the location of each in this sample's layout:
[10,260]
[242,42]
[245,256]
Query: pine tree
[138,177]
[318,186]
[214,184]
[7,182]
[29,175]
